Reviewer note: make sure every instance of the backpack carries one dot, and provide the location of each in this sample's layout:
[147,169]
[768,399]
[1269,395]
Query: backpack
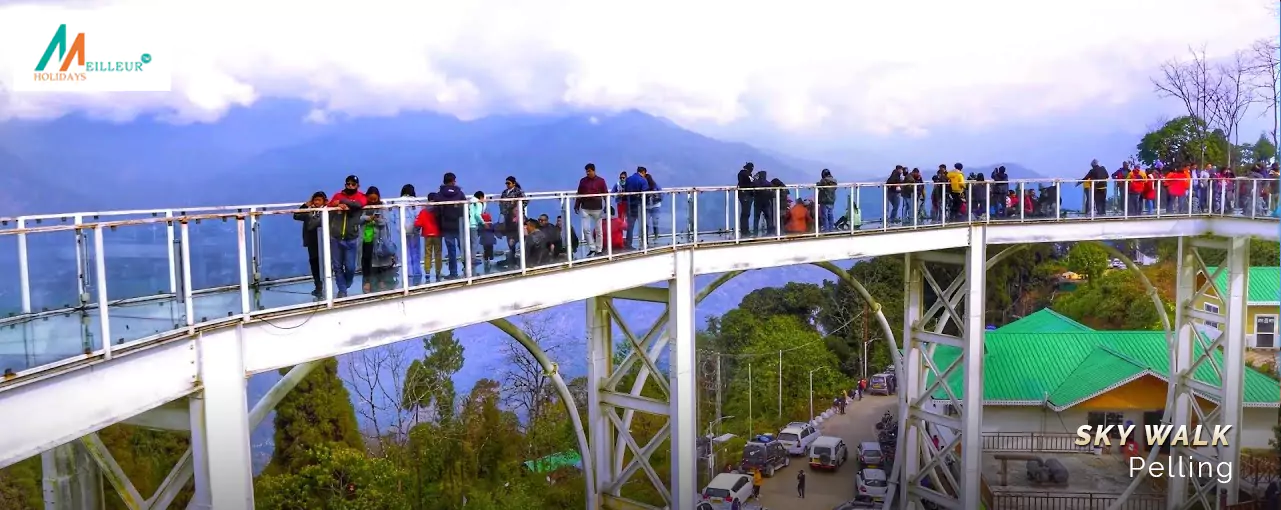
[384,247]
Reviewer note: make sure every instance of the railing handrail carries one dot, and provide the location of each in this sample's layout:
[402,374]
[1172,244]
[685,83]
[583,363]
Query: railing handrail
[232,210]
[165,216]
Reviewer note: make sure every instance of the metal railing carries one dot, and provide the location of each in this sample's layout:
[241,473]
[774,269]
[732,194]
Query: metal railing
[163,273]
[1073,501]
[1032,442]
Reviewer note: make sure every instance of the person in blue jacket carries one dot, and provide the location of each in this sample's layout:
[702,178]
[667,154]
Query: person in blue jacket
[637,184]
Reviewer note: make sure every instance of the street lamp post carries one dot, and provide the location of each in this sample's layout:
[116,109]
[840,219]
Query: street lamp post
[749,400]
[812,392]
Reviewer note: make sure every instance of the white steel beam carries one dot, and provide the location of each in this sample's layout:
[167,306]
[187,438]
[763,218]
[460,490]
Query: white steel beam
[225,431]
[646,294]
[71,479]
[1230,406]
[1181,360]
[684,406]
[172,416]
[93,396]
[914,381]
[600,433]
[972,397]
[644,404]
[345,328]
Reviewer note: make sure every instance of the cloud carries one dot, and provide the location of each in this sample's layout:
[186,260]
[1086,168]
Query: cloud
[878,67]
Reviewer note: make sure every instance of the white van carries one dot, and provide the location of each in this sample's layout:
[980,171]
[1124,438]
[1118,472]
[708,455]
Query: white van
[797,438]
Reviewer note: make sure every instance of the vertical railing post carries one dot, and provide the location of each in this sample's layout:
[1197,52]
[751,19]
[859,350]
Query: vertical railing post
[169,243]
[885,207]
[1058,199]
[255,247]
[674,209]
[853,201]
[468,253]
[404,247]
[82,263]
[242,255]
[1125,198]
[644,221]
[694,201]
[100,267]
[569,230]
[818,226]
[520,233]
[778,216]
[738,216]
[24,267]
[189,305]
[327,256]
[609,226]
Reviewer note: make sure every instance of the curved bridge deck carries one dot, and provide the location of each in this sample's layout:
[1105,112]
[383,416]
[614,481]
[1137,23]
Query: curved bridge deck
[172,274]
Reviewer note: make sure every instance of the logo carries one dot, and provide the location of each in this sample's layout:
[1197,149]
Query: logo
[75,54]
[65,51]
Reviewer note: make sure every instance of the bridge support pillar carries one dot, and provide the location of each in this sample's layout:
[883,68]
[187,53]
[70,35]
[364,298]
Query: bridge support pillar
[940,429]
[221,438]
[684,405]
[72,480]
[619,386]
[1209,342]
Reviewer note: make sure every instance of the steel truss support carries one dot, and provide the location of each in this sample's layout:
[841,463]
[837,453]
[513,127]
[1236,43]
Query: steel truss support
[948,474]
[1211,353]
[617,455]
[73,472]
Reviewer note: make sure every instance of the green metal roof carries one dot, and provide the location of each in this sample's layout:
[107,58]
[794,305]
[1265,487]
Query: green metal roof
[555,461]
[1263,284]
[1065,369]
[1044,320]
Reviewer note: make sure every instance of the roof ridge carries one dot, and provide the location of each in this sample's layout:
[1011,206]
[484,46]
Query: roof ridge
[1116,352]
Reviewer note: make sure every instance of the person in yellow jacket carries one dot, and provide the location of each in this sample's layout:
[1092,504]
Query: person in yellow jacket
[756,483]
[956,190]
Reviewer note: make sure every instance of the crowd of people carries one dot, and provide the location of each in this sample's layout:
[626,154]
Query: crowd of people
[366,238]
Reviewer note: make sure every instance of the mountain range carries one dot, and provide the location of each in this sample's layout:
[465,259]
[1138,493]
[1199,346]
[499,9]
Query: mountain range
[268,154]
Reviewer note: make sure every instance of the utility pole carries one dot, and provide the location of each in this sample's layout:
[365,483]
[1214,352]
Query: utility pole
[749,400]
[780,384]
[719,388]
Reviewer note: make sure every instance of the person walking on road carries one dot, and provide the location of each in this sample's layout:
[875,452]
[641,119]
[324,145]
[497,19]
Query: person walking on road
[756,484]
[800,483]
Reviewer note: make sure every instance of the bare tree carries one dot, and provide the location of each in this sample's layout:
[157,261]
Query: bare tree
[526,385]
[1266,71]
[1192,82]
[363,371]
[1231,96]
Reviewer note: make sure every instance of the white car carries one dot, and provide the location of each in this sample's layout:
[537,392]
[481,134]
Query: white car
[797,438]
[871,482]
[726,487]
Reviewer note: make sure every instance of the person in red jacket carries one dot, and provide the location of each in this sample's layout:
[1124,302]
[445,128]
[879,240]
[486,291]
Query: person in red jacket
[426,222]
[1178,183]
[350,191]
[615,226]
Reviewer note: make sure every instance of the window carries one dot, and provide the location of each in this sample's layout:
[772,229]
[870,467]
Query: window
[951,410]
[1095,419]
[1212,308]
[1265,331]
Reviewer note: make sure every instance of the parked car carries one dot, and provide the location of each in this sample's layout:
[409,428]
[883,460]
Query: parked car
[767,456]
[872,482]
[828,452]
[870,454]
[727,486]
[882,384]
[797,438]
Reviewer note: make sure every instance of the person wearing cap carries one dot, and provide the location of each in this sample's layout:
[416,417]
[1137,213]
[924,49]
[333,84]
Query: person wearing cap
[309,214]
[826,199]
[344,233]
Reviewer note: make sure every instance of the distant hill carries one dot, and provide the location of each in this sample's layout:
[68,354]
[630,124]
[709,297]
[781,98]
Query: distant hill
[271,156]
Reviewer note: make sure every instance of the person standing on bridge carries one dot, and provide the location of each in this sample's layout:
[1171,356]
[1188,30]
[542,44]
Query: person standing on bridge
[344,233]
[450,218]
[746,198]
[591,208]
[826,199]
[311,237]
[800,483]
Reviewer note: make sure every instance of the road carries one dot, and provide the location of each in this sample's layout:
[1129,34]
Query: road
[824,490]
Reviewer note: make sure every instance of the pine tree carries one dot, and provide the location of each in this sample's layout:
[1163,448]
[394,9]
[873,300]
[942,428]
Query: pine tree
[315,413]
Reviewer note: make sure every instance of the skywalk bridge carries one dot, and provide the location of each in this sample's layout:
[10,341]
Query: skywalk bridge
[157,318]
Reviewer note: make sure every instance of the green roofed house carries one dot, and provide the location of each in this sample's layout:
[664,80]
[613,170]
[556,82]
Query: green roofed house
[1263,304]
[1047,373]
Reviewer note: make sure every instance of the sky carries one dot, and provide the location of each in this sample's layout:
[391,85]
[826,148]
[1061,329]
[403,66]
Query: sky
[809,70]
